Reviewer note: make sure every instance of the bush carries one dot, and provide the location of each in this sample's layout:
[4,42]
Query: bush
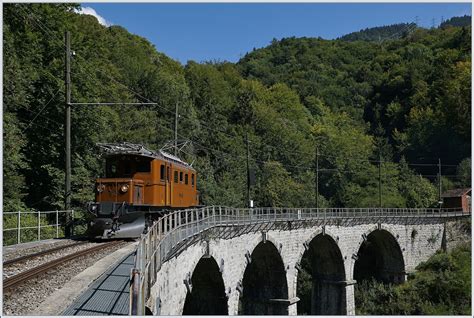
[441,286]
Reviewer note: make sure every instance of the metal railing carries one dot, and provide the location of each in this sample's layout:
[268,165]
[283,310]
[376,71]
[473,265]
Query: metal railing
[37,225]
[174,229]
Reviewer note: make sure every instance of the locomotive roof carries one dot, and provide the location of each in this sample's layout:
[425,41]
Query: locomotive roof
[126,148]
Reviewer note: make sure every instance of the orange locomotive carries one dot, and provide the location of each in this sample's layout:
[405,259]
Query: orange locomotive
[139,185]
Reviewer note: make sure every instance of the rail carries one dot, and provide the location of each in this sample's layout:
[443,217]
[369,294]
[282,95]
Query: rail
[177,227]
[14,281]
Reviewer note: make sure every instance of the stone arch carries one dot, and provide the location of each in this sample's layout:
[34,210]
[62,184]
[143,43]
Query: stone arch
[187,269]
[253,244]
[264,288]
[168,294]
[302,248]
[321,262]
[206,291]
[379,256]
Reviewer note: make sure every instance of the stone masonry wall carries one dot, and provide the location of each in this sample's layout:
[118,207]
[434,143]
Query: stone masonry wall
[417,243]
[457,232]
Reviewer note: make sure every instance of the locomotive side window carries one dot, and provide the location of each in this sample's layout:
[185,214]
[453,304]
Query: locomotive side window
[168,174]
[176,177]
[181,177]
[192,180]
[186,178]
[162,172]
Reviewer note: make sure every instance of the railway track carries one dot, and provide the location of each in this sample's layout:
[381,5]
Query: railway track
[19,279]
[45,252]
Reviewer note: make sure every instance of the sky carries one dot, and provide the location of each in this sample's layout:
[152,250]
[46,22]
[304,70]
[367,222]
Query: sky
[226,31]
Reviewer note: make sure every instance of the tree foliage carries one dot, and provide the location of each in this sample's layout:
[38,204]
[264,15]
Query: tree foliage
[356,102]
[441,286]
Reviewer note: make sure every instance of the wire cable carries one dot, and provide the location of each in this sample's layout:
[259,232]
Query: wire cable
[39,113]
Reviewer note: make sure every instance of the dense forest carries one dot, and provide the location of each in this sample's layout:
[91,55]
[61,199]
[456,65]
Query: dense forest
[400,103]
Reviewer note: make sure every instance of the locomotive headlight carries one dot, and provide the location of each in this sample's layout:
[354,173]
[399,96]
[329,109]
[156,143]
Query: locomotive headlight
[124,188]
[100,188]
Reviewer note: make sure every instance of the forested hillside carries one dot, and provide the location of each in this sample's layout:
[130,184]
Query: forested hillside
[406,100]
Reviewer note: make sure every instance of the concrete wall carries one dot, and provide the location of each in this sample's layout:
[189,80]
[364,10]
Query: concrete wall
[417,242]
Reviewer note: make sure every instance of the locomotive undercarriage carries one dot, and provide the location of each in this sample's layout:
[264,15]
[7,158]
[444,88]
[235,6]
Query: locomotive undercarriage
[121,220]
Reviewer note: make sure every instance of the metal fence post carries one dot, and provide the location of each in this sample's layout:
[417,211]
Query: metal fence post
[39,226]
[19,227]
[159,224]
[213,214]
[57,224]
[72,225]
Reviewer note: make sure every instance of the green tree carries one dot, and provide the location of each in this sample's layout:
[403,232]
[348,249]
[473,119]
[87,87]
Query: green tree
[463,173]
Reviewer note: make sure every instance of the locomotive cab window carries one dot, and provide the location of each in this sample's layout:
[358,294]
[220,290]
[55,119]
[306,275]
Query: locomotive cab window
[111,168]
[162,172]
[143,165]
[192,179]
[176,177]
[181,177]
[186,178]
[126,166]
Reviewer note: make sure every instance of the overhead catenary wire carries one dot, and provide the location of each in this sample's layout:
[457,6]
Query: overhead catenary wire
[45,127]
[42,116]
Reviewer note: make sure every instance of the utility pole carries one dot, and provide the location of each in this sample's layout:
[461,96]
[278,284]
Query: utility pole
[440,202]
[176,131]
[248,171]
[67,127]
[317,177]
[380,179]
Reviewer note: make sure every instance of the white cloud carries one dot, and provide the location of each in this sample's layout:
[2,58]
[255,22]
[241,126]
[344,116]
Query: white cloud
[90,11]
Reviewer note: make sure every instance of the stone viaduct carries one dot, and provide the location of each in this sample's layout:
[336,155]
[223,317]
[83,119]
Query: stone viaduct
[253,267]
